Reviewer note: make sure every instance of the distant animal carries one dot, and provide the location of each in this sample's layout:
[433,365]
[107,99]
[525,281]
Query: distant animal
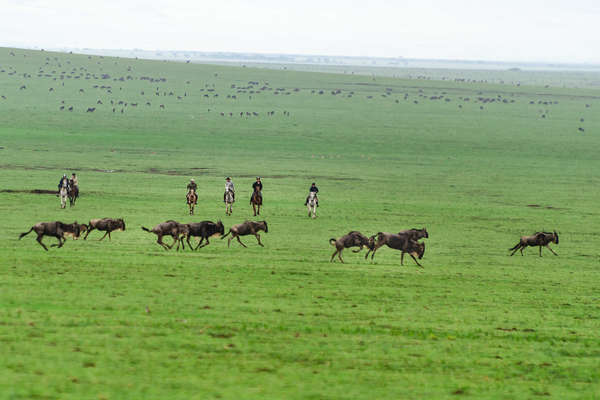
[192,200]
[402,242]
[105,224]
[72,194]
[247,228]
[204,230]
[256,201]
[56,229]
[91,109]
[162,106]
[537,239]
[63,192]
[311,204]
[351,239]
[168,228]
[70,108]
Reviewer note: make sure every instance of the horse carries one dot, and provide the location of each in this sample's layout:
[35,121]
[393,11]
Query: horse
[192,199]
[256,201]
[311,204]
[63,193]
[229,200]
[73,194]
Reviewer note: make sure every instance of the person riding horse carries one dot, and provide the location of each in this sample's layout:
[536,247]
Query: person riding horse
[228,188]
[74,184]
[64,181]
[313,188]
[257,188]
[193,188]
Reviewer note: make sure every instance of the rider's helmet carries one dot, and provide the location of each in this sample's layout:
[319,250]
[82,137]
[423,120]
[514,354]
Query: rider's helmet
[64,175]
[313,184]
[192,180]
[228,179]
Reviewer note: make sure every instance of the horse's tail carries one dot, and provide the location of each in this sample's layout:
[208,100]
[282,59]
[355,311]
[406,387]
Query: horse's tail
[332,241]
[223,237]
[25,233]
[146,229]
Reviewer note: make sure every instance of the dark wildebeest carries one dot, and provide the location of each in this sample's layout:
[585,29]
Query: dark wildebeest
[402,242]
[56,229]
[246,228]
[105,224]
[91,109]
[352,239]
[169,228]
[82,229]
[537,239]
[413,234]
[204,230]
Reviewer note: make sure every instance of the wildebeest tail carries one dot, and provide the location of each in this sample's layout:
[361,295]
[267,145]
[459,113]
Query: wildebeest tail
[146,229]
[223,237]
[25,233]
[515,247]
[332,241]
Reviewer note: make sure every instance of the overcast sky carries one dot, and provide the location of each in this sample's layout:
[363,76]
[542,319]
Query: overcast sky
[509,30]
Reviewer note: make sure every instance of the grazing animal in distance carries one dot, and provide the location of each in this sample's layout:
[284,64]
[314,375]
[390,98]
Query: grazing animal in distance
[402,242]
[204,230]
[537,239]
[247,228]
[105,224]
[352,239]
[56,229]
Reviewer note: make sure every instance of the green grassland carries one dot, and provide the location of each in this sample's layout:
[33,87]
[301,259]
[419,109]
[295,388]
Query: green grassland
[126,319]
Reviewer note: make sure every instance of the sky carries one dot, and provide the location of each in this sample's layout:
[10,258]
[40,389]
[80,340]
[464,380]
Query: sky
[497,30]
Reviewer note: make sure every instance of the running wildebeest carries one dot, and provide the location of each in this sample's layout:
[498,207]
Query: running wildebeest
[82,229]
[402,242]
[56,229]
[537,239]
[352,239]
[105,224]
[168,228]
[247,228]
[413,234]
[204,230]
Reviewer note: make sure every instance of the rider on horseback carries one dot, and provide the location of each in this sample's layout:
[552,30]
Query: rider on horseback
[313,188]
[63,182]
[193,188]
[228,188]
[74,184]
[257,188]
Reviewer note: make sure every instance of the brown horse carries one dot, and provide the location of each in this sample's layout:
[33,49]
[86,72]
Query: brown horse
[192,200]
[257,201]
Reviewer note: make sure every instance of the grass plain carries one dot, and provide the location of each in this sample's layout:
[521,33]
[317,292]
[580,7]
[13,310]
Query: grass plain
[125,319]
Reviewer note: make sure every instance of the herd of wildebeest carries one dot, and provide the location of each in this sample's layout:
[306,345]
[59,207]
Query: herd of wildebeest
[406,241]
[113,93]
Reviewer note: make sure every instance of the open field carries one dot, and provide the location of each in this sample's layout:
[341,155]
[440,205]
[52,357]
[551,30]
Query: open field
[125,319]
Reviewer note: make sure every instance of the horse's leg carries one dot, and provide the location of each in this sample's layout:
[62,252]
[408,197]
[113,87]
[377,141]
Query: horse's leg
[549,248]
[39,240]
[254,208]
[103,236]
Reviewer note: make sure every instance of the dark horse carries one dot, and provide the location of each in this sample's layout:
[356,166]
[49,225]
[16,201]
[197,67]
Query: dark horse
[256,201]
[192,200]
[73,194]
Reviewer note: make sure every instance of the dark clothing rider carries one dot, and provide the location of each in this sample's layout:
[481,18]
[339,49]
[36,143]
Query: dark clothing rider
[257,187]
[313,188]
[65,180]
[193,186]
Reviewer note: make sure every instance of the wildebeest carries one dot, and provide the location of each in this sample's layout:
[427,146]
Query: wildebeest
[56,229]
[204,230]
[82,229]
[168,228]
[413,234]
[537,239]
[352,239]
[105,224]
[91,109]
[399,241]
[246,228]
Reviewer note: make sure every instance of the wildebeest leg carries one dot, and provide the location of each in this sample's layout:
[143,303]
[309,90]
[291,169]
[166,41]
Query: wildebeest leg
[206,244]
[549,248]
[340,256]
[39,240]
[516,248]
[238,239]
[258,238]
[333,255]
[413,257]
[162,244]
[61,242]
[402,258]
[91,228]
[104,235]
[540,250]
